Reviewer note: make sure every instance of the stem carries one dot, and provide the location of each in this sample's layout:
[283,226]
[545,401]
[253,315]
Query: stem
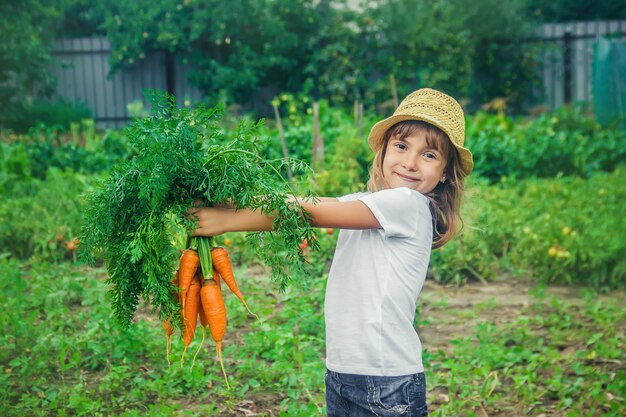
[258,157]
[204,251]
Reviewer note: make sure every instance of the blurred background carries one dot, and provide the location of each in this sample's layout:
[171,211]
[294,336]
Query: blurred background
[522,314]
[94,58]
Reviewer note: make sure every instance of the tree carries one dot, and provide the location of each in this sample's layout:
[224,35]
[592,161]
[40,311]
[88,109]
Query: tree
[469,50]
[27,28]
[242,50]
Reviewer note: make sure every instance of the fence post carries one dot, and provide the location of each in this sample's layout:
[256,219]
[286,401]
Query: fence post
[567,66]
[318,141]
[170,77]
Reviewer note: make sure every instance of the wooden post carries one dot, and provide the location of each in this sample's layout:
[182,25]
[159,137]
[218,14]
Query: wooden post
[317,157]
[283,144]
[358,117]
[394,91]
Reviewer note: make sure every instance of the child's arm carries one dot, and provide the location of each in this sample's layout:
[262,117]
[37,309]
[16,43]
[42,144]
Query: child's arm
[330,212]
[325,212]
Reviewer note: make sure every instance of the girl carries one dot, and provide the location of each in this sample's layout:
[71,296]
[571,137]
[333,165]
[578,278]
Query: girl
[373,352]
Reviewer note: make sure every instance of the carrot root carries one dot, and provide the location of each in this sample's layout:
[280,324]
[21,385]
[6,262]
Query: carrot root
[169,329]
[167,351]
[218,345]
[199,348]
[248,308]
[182,358]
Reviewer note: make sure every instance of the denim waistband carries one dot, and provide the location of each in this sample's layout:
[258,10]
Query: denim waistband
[356,380]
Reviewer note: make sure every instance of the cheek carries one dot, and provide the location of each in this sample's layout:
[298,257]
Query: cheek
[386,165]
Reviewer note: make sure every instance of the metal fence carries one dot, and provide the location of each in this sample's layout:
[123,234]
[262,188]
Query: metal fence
[567,55]
[82,71]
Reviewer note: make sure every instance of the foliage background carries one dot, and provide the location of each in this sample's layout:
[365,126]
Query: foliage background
[544,206]
[340,50]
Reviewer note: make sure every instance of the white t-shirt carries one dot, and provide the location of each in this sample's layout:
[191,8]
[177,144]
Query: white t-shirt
[373,285]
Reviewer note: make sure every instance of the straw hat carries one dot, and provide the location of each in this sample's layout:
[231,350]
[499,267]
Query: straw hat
[433,107]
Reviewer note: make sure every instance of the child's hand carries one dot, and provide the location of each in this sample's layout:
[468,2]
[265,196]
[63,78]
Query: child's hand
[224,218]
[210,219]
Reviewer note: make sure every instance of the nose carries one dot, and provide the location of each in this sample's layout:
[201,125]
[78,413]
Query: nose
[410,163]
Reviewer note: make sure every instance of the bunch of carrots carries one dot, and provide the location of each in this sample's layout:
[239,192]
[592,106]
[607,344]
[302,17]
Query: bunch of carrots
[201,296]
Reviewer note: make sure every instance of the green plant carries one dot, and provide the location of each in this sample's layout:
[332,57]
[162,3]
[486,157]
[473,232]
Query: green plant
[79,148]
[23,59]
[566,142]
[560,230]
[550,354]
[570,236]
[181,156]
[524,362]
[60,114]
[42,218]
[471,255]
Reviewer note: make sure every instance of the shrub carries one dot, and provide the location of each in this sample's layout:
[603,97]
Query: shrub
[41,217]
[468,257]
[60,114]
[81,149]
[566,142]
[570,230]
[563,230]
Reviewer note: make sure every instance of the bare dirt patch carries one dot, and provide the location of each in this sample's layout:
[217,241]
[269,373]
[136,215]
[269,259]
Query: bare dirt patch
[451,312]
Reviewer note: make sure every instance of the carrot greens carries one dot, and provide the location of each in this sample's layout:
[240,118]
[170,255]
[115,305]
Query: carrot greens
[135,216]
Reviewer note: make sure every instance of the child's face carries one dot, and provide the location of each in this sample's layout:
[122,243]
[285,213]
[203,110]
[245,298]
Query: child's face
[411,162]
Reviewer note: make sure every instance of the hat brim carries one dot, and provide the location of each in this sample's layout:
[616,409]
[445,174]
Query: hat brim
[377,133]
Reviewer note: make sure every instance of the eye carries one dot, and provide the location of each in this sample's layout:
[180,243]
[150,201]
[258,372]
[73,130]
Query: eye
[400,145]
[430,155]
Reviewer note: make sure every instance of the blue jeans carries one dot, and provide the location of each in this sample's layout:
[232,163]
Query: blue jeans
[350,395]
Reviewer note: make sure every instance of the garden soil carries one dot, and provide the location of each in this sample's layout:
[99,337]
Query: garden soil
[447,313]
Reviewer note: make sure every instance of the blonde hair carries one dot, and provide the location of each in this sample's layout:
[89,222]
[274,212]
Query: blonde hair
[445,199]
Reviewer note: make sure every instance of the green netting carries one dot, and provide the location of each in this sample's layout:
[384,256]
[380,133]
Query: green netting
[609,81]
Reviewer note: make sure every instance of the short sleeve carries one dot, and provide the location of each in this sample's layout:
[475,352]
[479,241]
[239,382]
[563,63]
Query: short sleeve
[400,211]
[350,197]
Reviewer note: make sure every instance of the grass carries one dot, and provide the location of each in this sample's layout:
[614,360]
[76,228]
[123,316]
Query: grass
[62,354]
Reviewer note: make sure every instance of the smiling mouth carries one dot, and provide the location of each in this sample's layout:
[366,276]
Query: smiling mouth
[407,179]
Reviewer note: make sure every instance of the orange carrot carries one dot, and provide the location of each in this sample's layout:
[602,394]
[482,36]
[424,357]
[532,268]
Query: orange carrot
[169,329]
[188,265]
[222,265]
[204,323]
[190,315]
[215,311]
[216,278]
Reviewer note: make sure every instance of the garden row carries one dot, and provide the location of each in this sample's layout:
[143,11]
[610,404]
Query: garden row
[63,353]
[567,142]
[546,200]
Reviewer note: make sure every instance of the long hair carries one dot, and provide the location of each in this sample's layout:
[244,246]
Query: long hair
[445,198]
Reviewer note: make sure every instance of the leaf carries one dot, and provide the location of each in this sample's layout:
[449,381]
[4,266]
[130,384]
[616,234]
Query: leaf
[181,155]
[489,385]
